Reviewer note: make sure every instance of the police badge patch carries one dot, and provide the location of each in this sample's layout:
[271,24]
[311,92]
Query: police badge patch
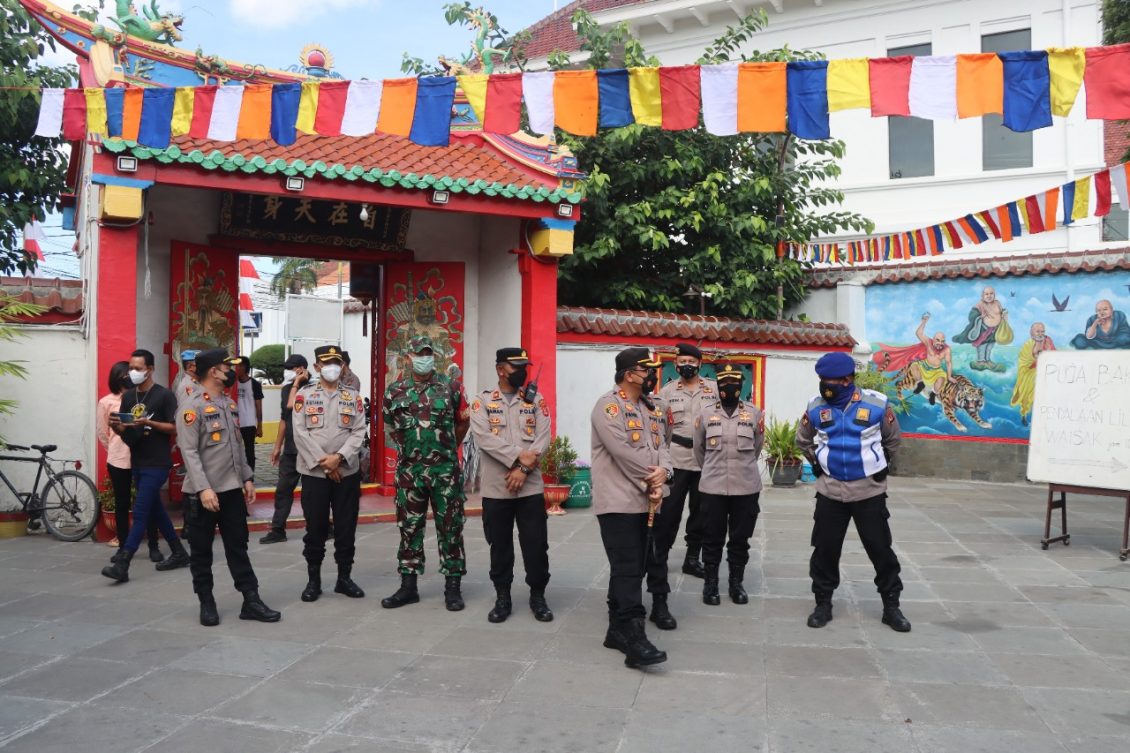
[189,417]
[612,410]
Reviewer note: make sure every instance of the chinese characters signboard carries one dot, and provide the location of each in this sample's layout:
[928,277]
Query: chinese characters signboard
[324,223]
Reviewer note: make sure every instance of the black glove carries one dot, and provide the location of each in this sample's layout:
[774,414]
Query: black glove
[882,475]
[817,470]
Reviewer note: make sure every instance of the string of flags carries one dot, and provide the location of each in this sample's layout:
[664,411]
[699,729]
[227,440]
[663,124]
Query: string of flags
[1091,196]
[1027,88]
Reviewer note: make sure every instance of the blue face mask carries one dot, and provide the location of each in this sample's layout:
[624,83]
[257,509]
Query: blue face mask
[423,364]
[836,394]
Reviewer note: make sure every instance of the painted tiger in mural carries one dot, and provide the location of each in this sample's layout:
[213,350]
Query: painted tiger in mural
[957,392]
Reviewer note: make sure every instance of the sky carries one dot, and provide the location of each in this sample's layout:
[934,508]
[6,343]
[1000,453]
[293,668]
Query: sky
[367,39]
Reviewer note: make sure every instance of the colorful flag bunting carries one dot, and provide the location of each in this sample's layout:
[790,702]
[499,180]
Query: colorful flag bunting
[362,108]
[643,88]
[50,113]
[980,85]
[575,101]
[890,85]
[1066,67]
[95,110]
[254,112]
[431,119]
[1102,193]
[807,99]
[285,99]
[762,98]
[1118,182]
[615,99]
[719,99]
[133,102]
[1107,79]
[680,96]
[504,104]
[183,105]
[115,109]
[74,115]
[537,91]
[849,84]
[331,107]
[1027,90]
[398,103]
[308,107]
[225,113]
[933,87]
[203,102]
[154,130]
[474,86]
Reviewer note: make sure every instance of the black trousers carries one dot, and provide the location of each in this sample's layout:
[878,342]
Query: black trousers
[121,481]
[684,484]
[499,517]
[319,497]
[734,514]
[284,490]
[828,530]
[248,433]
[624,536]
[200,525]
[665,530]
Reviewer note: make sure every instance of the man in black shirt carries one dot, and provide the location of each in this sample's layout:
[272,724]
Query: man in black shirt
[285,453]
[151,411]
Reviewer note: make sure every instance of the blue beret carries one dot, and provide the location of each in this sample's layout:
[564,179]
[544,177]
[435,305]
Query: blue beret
[188,355]
[835,365]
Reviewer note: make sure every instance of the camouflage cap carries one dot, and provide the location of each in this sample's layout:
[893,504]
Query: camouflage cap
[420,342]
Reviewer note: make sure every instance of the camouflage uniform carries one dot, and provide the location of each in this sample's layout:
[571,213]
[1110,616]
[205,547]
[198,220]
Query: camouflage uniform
[420,417]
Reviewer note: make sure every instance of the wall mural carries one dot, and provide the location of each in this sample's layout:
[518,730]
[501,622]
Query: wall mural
[959,356]
[204,295]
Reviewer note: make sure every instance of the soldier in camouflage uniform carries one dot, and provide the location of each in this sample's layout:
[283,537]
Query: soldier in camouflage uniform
[426,416]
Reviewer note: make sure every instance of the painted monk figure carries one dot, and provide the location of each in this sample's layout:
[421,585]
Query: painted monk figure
[936,364]
[985,318]
[1024,393]
[1107,329]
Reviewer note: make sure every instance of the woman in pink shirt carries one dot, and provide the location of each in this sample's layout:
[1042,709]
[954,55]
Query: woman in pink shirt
[118,459]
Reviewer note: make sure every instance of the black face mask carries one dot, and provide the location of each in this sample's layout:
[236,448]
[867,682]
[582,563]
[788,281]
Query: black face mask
[687,371]
[229,378]
[730,395]
[649,381]
[517,377]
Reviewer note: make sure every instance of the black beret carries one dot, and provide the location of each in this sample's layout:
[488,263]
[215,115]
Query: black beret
[686,349]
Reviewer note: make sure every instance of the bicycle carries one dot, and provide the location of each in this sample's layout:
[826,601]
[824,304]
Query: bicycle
[68,504]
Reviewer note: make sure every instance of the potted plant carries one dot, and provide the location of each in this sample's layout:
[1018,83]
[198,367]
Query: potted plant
[558,463]
[107,527]
[784,456]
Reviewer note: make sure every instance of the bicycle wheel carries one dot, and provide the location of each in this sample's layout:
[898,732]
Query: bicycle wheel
[70,506]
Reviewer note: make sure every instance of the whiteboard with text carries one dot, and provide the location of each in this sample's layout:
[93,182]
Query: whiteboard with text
[1081,419]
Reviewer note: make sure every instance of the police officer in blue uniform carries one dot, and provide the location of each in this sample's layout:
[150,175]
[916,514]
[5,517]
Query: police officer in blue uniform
[850,435]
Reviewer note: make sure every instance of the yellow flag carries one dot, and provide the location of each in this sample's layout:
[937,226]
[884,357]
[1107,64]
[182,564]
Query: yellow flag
[307,107]
[1066,67]
[184,102]
[95,111]
[849,84]
[474,85]
[643,89]
[1082,204]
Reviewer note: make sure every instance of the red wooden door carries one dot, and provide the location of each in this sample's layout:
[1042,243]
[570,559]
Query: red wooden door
[203,300]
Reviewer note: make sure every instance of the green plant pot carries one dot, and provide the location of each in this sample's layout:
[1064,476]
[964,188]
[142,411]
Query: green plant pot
[580,489]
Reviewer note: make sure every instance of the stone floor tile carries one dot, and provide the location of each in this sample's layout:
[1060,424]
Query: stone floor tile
[458,677]
[843,736]
[566,729]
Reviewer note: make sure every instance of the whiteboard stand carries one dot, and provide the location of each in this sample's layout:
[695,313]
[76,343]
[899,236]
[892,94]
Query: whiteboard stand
[1061,504]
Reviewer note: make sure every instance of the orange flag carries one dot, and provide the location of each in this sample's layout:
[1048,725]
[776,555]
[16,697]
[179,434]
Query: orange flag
[980,85]
[131,113]
[575,101]
[398,106]
[255,113]
[761,97]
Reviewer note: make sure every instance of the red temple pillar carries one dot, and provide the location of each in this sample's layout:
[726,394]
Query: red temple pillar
[539,323]
[115,307]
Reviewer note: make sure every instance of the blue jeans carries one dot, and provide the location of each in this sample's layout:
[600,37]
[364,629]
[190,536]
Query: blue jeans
[148,502]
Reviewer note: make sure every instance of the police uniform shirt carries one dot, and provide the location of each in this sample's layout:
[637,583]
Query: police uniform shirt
[727,446]
[683,406]
[868,417]
[211,446]
[504,426]
[627,438]
[188,389]
[328,420]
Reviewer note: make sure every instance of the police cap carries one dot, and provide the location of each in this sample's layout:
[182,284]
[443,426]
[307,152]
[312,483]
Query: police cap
[835,365]
[686,349]
[188,355]
[512,356]
[631,358]
[207,359]
[326,353]
[729,373]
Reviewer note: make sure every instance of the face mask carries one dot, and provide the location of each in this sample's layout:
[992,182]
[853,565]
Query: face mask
[517,378]
[289,375]
[423,364]
[835,393]
[229,378]
[137,377]
[729,395]
[649,382]
[331,372]
[687,371]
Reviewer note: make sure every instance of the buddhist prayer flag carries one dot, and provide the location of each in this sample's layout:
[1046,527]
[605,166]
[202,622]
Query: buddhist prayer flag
[1033,214]
[647,102]
[575,101]
[987,220]
[50,113]
[1049,205]
[398,103]
[362,108]
[973,230]
[849,84]
[133,101]
[720,98]
[154,130]
[95,111]
[285,100]
[980,85]
[115,111]
[1066,67]
[1118,182]
[183,105]
[1108,82]
[933,87]
[953,235]
[74,115]
[255,112]
[890,85]
[807,99]
[474,86]
[225,113]
[1016,227]
[431,120]
[762,99]
[308,107]
[680,97]
[1027,90]
[203,102]
[504,104]
[331,107]
[537,91]
[920,242]
[1082,203]
[615,99]
[937,244]
[1102,193]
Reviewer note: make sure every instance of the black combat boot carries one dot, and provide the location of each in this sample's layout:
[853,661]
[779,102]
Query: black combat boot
[615,638]
[117,555]
[451,594]
[274,536]
[155,552]
[538,605]
[119,571]
[640,651]
[892,615]
[313,583]
[737,590]
[502,604]
[406,594]
[660,614]
[255,609]
[692,565]
[822,615]
[209,615]
[710,587]
[345,584]
[177,559]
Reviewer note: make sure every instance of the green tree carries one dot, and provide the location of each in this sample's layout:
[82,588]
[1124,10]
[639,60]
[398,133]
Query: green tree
[667,210]
[11,310]
[269,359]
[33,169]
[295,275]
[1116,30]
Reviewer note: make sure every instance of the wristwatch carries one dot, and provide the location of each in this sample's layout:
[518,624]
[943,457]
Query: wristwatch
[670,474]
[524,469]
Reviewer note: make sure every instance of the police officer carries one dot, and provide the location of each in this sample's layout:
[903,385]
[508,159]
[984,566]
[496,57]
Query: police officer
[329,427]
[285,452]
[849,435]
[630,466]
[217,487]
[728,436]
[349,380]
[426,416]
[186,383]
[512,429]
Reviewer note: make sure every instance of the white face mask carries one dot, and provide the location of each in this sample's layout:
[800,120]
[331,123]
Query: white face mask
[423,364]
[137,377]
[289,375]
[331,372]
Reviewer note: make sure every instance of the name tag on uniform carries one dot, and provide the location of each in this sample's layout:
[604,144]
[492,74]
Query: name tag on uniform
[863,414]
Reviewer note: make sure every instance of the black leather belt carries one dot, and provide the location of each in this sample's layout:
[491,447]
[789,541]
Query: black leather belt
[682,441]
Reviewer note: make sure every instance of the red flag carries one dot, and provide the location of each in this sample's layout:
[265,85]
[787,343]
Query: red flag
[331,107]
[890,85]
[955,237]
[1107,78]
[919,243]
[987,218]
[203,98]
[74,114]
[1035,215]
[504,104]
[679,93]
[1102,193]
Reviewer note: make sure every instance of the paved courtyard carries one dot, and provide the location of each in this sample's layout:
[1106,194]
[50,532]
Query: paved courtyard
[1013,648]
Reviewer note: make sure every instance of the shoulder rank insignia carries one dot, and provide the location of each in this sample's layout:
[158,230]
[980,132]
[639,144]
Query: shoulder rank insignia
[189,417]
[210,409]
[803,419]
[206,396]
[612,409]
[856,396]
[233,407]
[496,395]
[890,416]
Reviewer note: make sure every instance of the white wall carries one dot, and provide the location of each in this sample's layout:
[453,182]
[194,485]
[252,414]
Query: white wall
[500,291]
